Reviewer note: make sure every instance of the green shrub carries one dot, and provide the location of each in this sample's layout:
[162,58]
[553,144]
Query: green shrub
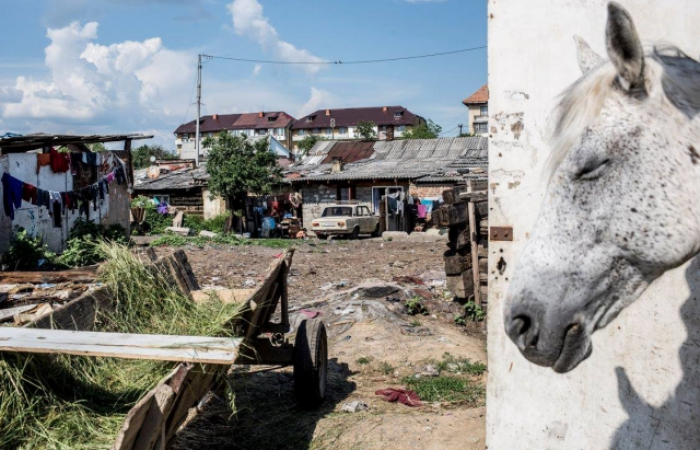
[415,306]
[473,312]
[82,249]
[156,223]
[27,252]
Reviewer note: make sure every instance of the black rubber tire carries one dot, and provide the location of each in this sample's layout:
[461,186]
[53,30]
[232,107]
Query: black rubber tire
[355,233]
[375,233]
[321,236]
[310,363]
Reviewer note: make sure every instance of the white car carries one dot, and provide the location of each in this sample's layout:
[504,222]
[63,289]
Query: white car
[347,220]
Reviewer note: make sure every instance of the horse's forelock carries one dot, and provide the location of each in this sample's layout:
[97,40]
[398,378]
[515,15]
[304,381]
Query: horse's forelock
[578,107]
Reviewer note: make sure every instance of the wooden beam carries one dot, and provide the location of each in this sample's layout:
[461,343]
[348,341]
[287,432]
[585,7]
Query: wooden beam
[474,237]
[84,275]
[196,349]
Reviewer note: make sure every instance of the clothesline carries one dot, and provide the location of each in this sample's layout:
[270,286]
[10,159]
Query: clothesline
[15,191]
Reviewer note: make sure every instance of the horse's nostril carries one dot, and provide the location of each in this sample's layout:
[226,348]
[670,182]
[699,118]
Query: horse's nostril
[523,331]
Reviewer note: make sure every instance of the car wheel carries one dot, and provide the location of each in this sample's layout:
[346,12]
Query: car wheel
[321,236]
[355,233]
[375,233]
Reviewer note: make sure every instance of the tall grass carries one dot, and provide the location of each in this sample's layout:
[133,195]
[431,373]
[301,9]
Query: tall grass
[77,402]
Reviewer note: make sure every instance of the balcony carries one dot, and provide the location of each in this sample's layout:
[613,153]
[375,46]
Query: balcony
[482,118]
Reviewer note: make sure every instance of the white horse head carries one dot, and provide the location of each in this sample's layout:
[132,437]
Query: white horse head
[623,201]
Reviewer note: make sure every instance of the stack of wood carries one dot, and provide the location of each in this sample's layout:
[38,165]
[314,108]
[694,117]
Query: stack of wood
[465,213]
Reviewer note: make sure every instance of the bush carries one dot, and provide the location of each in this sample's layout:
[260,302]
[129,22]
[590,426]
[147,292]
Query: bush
[197,223]
[82,249]
[27,252]
[156,223]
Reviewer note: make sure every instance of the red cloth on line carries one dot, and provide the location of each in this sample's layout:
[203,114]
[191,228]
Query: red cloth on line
[42,159]
[408,398]
[29,193]
[60,161]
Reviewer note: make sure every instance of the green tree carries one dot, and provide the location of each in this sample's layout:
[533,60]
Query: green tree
[237,167]
[141,156]
[427,130]
[306,144]
[366,130]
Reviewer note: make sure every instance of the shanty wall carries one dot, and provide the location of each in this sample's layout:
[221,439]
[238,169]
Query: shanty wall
[315,197]
[113,210]
[654,343]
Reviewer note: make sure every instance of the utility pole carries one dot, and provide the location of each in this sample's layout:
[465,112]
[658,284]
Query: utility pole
[199,109]
[460,128]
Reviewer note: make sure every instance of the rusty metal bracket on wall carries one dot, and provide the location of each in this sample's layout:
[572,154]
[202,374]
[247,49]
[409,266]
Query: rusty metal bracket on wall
[501,234]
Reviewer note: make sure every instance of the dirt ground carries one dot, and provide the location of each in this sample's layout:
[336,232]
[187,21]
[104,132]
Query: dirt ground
[357,288]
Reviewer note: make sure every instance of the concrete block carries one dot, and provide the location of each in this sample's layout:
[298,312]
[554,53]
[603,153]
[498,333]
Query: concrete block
[209,234]
[178,230]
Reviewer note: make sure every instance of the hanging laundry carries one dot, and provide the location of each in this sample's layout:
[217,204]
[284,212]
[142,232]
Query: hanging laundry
[110,177]
[75,160]
[29,193]
[42,159]
[56,207]
[422,211]
[43,198]
[101,189]
[90,159]
[119,174]
[60,161]
[11,194]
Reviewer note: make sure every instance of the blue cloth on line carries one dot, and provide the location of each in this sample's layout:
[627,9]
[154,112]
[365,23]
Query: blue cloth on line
[11,194]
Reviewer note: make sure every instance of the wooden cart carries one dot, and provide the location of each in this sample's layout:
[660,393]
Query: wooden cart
[203,361]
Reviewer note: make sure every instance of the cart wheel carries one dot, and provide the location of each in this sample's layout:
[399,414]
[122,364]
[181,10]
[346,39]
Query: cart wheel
[310,363]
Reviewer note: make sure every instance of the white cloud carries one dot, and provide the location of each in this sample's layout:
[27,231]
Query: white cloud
[319,99]
[249,20]
[257,70]
[129,86]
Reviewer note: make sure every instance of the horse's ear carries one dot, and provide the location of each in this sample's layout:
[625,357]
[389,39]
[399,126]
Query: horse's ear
[624,47]
[587,58]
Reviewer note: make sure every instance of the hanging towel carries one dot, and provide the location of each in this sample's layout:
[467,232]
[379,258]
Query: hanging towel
[90,159]
[11,194]
[42,159]
[60,161]
[29,193]
[101,187]
[422,211]
[56,206]
[110,177]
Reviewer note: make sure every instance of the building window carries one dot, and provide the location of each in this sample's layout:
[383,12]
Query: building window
[329,131]
[210,134]
[271,118]
[186,136]
[342,130]
[398,115]
[345,194]
[310,119]
[279,131]
[484,110]
[481,128]
[401,129]
[262,132]
[316,131]
[302,132]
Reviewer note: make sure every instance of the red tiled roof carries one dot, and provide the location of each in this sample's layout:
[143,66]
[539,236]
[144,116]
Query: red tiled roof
[349,117]
[237,122]
[480,96]
[209,124]
[349,152]
[254,121]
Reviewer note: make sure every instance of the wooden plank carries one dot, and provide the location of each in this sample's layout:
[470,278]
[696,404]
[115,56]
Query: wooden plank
[473,233]
[121,345]
[483,252]
[196,385]
[474,196]
[79,314]
[224,295]
[84,275]
[8,313]
[152,425]
[455,214]
[132,424]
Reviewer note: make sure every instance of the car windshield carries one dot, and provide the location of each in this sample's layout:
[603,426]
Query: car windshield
[337,211]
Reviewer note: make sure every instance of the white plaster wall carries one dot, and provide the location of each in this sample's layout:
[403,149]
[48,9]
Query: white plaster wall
[641,387]
[36,220]
[213,207]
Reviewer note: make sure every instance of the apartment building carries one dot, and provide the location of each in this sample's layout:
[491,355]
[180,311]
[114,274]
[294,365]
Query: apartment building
[478,104]
[391,122]
[276,124]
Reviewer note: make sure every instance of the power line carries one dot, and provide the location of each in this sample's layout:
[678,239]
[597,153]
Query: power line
[340,62]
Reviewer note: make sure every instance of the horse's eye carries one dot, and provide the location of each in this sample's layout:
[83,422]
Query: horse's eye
[593,170]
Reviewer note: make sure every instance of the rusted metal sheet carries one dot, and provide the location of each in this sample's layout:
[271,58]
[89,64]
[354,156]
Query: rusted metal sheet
[504,234]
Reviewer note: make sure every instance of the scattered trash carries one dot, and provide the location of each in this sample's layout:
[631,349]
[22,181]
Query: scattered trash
[440,282]
[279,255]
[408,279]
[393,299]
[343,283]
[399,264]
[403,396]
[249,283]
[46,285]
[430,371]
[343,312]
[347,338]
[309,314]
[356,406]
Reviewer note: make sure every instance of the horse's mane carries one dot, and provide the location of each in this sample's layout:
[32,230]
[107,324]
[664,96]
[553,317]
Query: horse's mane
[668,71]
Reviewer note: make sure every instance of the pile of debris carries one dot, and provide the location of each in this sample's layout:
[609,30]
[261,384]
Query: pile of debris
[26,296]
[466,260]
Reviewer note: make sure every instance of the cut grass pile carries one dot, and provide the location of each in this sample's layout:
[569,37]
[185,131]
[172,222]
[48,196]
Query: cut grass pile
[457,381]
[75,402]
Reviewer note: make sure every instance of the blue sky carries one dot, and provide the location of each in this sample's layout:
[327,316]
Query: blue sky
[88,66]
